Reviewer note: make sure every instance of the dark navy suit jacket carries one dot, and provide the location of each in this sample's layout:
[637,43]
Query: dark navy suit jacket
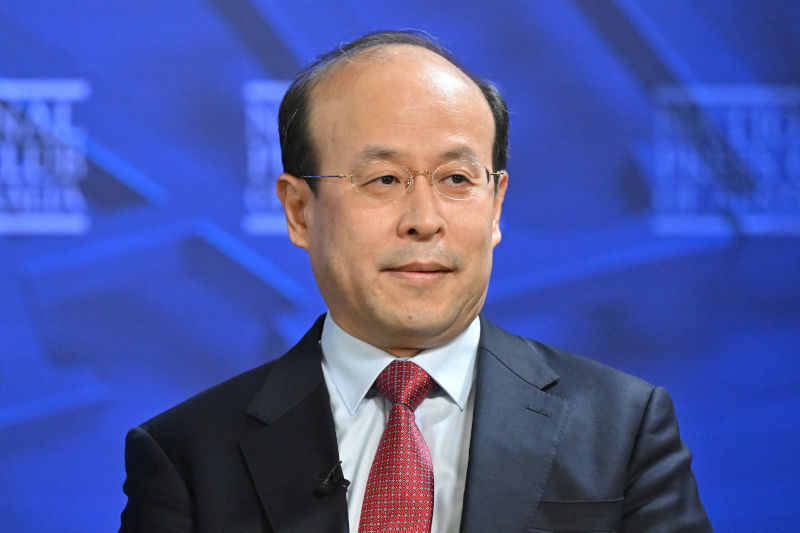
[559,443]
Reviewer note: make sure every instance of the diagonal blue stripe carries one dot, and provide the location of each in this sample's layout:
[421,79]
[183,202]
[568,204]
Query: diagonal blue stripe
[123,171]
[251,261]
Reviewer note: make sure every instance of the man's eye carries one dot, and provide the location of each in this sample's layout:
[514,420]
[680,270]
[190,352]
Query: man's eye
[387,179]
[456,179]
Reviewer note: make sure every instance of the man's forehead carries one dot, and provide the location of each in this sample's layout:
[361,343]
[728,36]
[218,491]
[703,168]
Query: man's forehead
[372,152]
[397,97]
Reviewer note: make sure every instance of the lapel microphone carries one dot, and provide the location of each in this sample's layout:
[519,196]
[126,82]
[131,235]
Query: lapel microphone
[334,478]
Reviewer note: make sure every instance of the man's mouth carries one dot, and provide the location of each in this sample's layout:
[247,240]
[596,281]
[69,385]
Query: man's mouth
[422,267]
[417,273]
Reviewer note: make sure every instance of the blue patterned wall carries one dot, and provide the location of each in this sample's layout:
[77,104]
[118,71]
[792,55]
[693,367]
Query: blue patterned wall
[652,220]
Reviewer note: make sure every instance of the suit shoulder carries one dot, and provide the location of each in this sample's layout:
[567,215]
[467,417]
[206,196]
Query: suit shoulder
[216,406]
[557,370]
[582,374]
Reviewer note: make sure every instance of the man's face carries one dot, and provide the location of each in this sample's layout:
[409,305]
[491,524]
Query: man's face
[411,273]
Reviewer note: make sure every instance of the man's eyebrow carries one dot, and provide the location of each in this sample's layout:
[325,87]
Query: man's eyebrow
[462,152]
[371,153]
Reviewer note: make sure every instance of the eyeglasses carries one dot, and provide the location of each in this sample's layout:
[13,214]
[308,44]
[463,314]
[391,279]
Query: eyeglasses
[384,181]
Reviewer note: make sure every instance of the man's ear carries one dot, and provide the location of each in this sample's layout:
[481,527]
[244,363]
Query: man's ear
[502,185]
[295,196]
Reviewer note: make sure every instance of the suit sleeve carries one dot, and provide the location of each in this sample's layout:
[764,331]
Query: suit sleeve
[158,498]
[661,494]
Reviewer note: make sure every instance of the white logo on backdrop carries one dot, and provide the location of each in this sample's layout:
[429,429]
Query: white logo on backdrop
[264,214]
[42,157]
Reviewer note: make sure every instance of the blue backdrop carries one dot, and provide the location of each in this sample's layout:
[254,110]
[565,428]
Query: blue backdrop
[652,219]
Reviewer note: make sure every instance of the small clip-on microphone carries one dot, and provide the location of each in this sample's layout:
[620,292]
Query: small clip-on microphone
[334,478]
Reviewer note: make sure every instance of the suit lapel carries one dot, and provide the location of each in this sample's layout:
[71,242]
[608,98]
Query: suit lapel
[516,430]
[296,444]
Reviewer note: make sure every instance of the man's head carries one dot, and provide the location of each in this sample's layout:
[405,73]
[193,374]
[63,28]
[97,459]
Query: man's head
[412,272]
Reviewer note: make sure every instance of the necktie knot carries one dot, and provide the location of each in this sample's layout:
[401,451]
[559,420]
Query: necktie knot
[405,383]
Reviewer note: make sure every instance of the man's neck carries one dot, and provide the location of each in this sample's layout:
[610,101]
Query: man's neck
[401,352]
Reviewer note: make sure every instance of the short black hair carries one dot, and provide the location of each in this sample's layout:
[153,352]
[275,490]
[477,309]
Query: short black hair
[297,150]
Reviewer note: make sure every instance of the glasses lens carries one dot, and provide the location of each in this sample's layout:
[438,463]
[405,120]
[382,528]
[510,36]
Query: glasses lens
[460,180]
[380,180]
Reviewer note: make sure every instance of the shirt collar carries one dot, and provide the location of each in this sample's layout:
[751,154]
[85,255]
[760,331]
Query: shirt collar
[353,365]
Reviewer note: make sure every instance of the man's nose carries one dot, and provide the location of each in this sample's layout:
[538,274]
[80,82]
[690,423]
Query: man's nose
[422,217]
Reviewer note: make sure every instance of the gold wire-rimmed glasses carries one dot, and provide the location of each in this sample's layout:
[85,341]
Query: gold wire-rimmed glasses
[385,181]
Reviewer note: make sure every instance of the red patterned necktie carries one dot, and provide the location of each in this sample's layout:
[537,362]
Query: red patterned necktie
[399,494]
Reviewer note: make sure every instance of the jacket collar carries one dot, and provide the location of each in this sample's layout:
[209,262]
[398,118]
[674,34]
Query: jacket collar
[297,444]
[516,430]
[516,354]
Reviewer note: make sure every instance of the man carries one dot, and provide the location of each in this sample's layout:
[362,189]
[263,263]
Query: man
[394,180]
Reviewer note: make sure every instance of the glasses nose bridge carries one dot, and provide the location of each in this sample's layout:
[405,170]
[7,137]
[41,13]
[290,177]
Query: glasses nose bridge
[414,173]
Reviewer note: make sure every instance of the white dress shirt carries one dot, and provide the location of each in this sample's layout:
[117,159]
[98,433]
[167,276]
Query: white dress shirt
[360,413]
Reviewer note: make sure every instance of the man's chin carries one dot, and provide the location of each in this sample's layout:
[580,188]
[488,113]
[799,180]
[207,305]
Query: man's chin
[411,331]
